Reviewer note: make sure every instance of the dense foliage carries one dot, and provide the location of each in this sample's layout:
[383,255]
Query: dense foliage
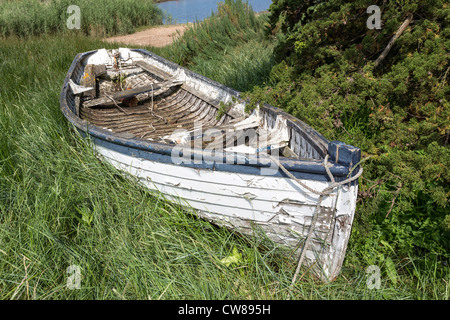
[397,112]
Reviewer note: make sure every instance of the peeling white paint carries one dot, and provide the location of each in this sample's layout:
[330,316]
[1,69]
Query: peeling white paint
[284,220]
[223,198]
[281,207]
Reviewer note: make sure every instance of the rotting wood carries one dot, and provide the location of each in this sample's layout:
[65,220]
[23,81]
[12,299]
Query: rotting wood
[99,70]
[151,69]
[112,74]
[77,105]
[89,80]
[179,110]
[117,96]
[288,153]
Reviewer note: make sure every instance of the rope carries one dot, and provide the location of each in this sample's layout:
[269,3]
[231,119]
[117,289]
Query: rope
[308,239]
[322,194]
[151,109]
[118,107]
[328,189]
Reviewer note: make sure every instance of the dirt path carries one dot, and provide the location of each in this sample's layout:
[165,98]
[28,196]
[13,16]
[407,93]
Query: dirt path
[156,36]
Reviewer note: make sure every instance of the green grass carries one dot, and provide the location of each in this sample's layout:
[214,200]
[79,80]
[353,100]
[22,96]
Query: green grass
[103,17]
[61,206]
[254,60]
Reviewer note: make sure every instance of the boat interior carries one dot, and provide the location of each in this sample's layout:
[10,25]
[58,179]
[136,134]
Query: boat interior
[131,95]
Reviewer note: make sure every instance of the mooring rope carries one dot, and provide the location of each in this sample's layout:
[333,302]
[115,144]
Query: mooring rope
[325,192]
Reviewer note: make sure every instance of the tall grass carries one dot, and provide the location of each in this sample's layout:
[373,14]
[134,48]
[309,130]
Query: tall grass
[101,17]
[229,47]
[241,67]
[233,24]
[61,206]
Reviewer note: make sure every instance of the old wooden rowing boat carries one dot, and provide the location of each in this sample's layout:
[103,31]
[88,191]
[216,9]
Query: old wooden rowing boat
[191,138]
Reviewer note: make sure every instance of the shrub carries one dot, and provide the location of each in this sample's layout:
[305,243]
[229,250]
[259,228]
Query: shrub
[397,113]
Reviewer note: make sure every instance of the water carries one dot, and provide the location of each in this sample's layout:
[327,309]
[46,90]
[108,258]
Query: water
[183,11]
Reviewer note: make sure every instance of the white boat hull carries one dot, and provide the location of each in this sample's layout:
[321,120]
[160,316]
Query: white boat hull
[245,203]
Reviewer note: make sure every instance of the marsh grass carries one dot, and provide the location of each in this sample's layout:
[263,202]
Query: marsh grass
[254,59]
[61,206]
[98,18]
[231,39]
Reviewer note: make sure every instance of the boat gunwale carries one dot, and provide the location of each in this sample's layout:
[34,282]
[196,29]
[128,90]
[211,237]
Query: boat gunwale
[312,166]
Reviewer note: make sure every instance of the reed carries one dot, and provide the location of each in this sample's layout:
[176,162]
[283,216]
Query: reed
[99,18]
[229,47]
[241,67]
[234,23]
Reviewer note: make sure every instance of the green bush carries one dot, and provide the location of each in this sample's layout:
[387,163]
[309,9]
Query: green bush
[398,113]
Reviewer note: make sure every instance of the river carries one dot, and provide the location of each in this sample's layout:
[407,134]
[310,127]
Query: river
[183,11]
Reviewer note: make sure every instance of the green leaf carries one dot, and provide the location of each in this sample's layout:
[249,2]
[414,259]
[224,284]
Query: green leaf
[387,245]
[390,270]
[235,257]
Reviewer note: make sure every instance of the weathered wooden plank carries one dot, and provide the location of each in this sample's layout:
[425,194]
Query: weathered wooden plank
[343,153]
[99,70]
[152,69]
[77,102]
[202,96]
[89,80]
[117,96]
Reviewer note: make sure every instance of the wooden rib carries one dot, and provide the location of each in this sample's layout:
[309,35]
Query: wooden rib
[161,105]
[186,96]
[112,113]
[139,125]
[179,110]
[167,127]
[121,118]
[128,123]
[178,107]
[188,124]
